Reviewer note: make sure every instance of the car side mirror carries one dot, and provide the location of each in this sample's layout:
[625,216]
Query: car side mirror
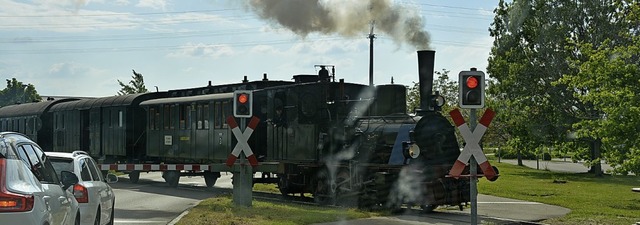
[68,179]
[111,178]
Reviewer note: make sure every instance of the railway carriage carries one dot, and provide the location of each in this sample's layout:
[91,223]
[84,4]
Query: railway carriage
[32,119]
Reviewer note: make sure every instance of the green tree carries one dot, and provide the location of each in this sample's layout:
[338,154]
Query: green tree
[536,45]
[18,92]
[136,85]
[611,74]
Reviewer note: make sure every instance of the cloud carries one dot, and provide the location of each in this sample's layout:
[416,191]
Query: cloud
[61,16]
[153,4]
[63,78]
[201,50]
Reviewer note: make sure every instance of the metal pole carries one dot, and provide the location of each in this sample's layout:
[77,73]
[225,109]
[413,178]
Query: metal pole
[243,179]
[371,37]
[473,180]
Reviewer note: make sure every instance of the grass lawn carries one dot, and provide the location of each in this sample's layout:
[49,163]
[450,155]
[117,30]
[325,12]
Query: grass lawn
[220,210]
[605,200]
[592,200]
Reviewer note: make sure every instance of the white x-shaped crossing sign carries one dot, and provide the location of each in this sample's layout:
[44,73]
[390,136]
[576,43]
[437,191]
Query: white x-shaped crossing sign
[472,146]
[242,138]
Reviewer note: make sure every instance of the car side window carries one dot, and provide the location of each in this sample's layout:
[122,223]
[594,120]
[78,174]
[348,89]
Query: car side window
[84,171]
[39,165]
[97,176]
[23,156]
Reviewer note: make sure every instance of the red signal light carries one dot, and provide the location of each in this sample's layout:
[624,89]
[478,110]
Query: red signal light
[243,98]
[472,82]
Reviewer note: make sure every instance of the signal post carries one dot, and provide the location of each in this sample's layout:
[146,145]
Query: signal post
[471,95]
[242,175]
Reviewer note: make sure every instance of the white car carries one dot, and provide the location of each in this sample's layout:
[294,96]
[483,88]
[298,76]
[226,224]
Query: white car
[95,196]
[30,191]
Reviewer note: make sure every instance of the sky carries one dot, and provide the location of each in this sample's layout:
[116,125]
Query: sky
[83,47]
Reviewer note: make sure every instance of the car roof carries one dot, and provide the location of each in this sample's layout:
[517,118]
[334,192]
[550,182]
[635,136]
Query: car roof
[75,154]
[14,137]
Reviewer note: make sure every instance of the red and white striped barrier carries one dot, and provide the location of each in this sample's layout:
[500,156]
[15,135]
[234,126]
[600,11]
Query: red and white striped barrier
[154,167]
[472,146]
[242,138]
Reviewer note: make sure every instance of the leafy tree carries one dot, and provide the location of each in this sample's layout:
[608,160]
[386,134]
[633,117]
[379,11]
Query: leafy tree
[611,74]
[18,92]
[539,44]
[136,85]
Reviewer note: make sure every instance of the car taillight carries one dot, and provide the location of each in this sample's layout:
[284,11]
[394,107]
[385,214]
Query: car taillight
[12,202]
[81,193]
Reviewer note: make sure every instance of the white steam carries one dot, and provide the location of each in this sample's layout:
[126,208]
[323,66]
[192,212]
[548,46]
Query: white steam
[346,18]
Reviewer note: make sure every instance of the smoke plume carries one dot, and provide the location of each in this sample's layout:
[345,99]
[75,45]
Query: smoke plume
[345,17]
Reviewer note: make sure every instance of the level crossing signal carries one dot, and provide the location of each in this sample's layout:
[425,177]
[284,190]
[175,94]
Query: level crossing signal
[242,104]
[471,88]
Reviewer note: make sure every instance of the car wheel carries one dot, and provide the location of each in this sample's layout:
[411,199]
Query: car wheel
[97,220]
[77,219]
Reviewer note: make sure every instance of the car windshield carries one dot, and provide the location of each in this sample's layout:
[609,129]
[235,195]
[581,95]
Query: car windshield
[62,164]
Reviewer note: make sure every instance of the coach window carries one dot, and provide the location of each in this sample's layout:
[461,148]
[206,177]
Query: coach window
[217,115]
[199,124]
[107,116]
[205,115]
[173,120]
[120,118]
[226,111]
[154,117]
[183,113]
[166,116]
[27,126]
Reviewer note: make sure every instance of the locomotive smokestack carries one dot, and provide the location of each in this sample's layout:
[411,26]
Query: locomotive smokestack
[426,61]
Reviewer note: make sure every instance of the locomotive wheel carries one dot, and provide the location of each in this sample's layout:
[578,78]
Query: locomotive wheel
[172,178]
[345,195]
[323,193]
[428,208]
[134,176]
[282,185]
[210,178]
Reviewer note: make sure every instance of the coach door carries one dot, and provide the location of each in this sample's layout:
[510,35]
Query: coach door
[201,130]
[220,136]
[95,127]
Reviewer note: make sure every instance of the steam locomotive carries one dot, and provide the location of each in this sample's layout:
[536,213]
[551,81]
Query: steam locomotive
[342,142]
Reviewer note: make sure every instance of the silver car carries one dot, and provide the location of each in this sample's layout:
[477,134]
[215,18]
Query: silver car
[92,191]
[30,190]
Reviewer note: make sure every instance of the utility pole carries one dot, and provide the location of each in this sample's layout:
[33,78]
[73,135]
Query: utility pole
[371,37]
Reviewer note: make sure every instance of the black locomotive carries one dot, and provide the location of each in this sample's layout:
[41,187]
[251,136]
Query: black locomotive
[342,142]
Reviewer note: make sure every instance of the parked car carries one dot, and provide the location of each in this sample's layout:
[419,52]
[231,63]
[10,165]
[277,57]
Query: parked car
[92,191]
[30,190]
